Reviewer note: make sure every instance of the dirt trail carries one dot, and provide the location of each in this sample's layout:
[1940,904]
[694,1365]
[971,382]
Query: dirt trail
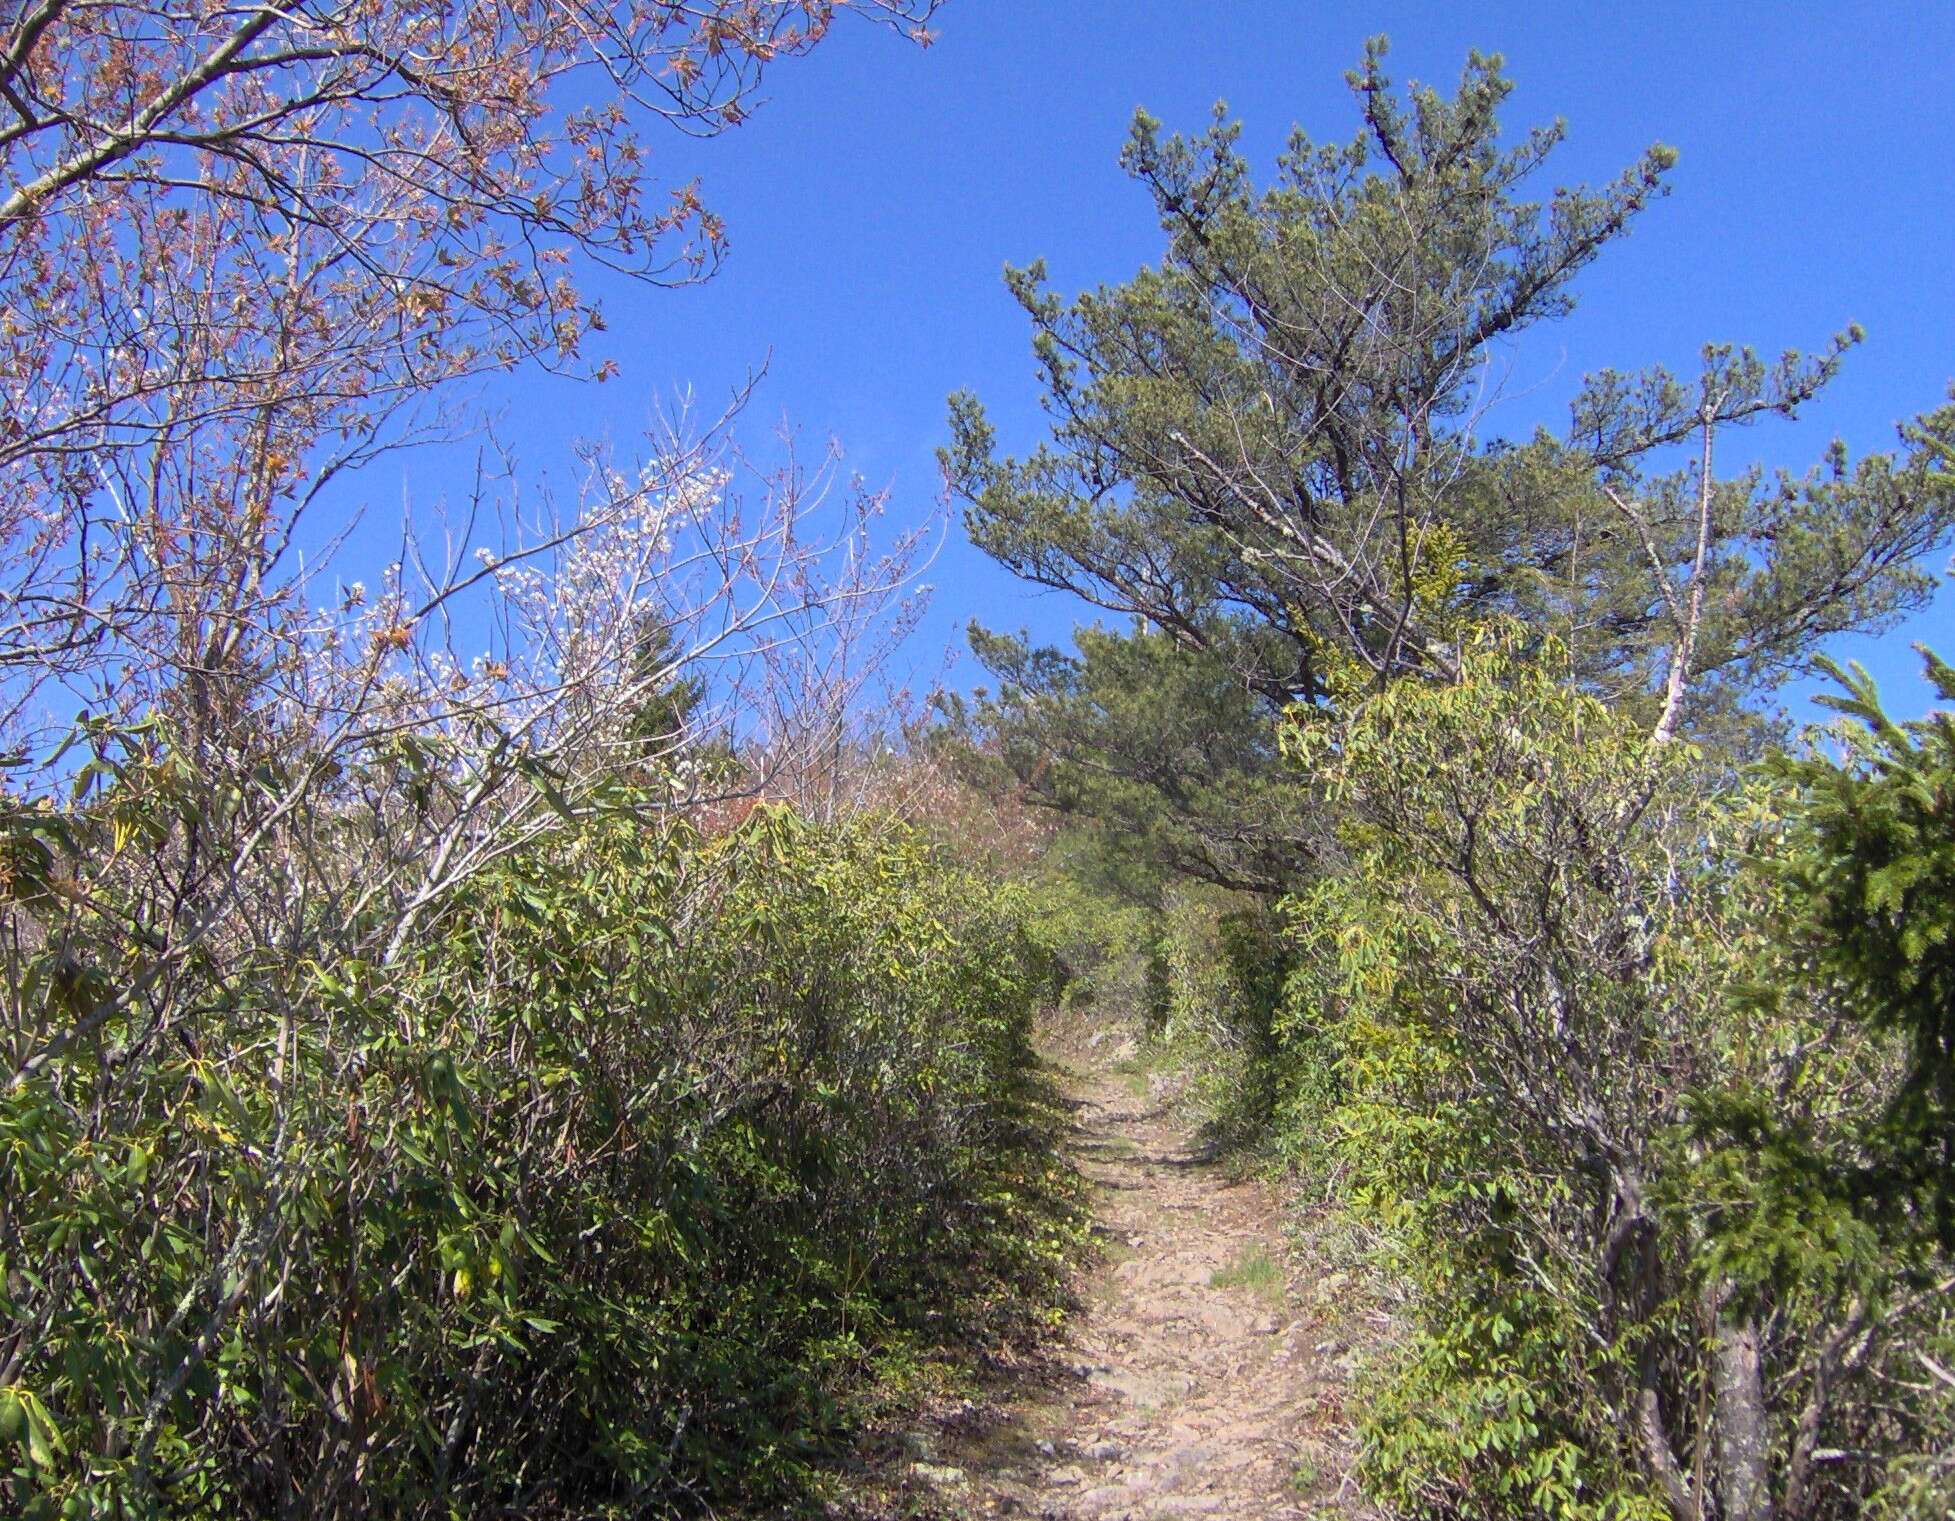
[1198,1380]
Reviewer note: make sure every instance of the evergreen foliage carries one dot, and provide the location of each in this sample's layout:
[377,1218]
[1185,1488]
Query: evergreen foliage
[1867,874]
[1270,450]
[1629,1059]
[441,1087]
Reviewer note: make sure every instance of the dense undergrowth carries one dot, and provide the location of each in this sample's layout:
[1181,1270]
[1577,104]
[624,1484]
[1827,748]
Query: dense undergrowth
[1427,770]
[432,1087]
[1622,1081]
[619,1192]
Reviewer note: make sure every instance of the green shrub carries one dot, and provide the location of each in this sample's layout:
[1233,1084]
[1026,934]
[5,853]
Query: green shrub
[1637,1126]
[602,1198]
[1222,961]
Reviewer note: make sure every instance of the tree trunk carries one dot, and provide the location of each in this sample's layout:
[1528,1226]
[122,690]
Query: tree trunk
[1630,1292]
[1744,1440]
[1678,681]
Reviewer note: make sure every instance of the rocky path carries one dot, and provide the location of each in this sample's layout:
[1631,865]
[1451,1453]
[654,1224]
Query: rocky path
[1199,1380]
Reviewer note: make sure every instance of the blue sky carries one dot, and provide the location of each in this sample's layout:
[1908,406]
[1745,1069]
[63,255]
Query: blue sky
[874,199]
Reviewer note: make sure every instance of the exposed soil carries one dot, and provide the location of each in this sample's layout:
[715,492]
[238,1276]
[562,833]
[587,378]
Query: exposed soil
[1199,1378]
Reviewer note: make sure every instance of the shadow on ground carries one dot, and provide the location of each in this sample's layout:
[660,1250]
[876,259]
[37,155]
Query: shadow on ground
[1197,1377]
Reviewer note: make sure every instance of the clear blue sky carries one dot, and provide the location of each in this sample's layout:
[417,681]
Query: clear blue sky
[875,198]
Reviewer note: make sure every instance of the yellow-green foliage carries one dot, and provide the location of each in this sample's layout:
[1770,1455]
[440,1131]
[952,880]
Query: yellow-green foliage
[1099,939]
[1515,1023]
[600,1200]
[1417,985]
[1220,969]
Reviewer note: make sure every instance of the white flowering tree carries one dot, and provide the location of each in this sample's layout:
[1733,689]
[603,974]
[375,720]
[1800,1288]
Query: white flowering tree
[250,874]
[243,252]
[243,248]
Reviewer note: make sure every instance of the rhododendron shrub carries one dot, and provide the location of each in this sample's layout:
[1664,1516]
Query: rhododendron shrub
[603,1197]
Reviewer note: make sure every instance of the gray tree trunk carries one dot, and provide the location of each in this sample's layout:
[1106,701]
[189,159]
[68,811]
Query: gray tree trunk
[1744,1437]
